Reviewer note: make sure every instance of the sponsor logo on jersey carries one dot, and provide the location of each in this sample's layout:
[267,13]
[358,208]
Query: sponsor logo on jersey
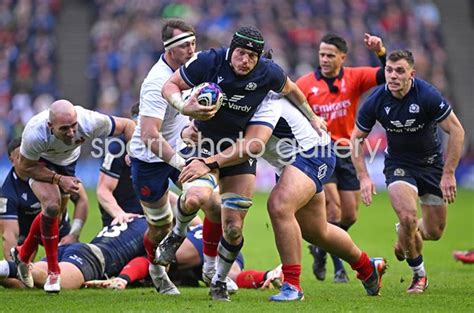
[414,108]
[314,90]
[231,103]
[24,196]
[442,104]
[408,123]
[220,79]
[387,110]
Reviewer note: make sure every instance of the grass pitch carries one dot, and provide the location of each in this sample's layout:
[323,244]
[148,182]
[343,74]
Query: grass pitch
[451,283]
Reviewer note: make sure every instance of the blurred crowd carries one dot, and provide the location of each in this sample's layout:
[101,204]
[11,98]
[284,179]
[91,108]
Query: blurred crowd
[28,62]
[126,42]
[126,35]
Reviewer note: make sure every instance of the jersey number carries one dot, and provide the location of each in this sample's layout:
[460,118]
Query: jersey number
[112,231]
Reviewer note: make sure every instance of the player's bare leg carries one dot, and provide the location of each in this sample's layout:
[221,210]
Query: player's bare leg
[308,212]
[403,197]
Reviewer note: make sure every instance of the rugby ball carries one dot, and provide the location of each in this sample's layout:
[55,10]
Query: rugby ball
[210,94]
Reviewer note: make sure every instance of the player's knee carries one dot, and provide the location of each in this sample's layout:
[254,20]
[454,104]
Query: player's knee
[348,220]
[333,216]
[278,208]
[233,232]
[193,201]
[435,232]
[52,209]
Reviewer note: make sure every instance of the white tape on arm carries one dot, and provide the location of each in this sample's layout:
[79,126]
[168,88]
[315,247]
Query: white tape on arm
[76,227]
[177,161]
[177,102]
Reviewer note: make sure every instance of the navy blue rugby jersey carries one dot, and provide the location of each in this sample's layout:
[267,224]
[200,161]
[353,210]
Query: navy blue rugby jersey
[410,123]
[242,94]
[114,165]
[121,242]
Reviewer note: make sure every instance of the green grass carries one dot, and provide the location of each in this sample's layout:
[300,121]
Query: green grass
[451,283]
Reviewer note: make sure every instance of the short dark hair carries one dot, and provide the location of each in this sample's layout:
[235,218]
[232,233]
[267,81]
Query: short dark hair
[135,109]
[13,144]
[170,25]
[397,55]
[336,40]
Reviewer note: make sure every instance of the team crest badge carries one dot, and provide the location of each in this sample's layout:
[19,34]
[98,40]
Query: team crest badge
[399,172]
[414,108]
[251,86]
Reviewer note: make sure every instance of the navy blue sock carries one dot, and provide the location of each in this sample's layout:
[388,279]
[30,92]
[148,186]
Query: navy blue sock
[13,271]
[416,261]
[337,263]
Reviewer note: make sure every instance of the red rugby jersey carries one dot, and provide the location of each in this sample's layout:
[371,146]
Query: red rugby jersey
[339,109]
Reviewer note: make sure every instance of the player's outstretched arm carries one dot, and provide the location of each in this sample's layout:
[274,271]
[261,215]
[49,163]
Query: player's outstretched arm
[375,44]
[367,187]
[454,129]
[297,98]
[105,188]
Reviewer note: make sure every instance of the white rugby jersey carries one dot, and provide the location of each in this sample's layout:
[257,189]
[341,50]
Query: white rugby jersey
[153,104]
[292,132]
[38,141]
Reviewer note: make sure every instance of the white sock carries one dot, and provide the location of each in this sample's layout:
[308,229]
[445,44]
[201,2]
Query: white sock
[419,270]
[4,269]
[209,263]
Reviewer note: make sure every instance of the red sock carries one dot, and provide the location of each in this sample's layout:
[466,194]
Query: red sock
[363,267]
[150,248]
[32,241]
[250,279]
[50,238]
[135,270]
[292,274]
[211,234]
